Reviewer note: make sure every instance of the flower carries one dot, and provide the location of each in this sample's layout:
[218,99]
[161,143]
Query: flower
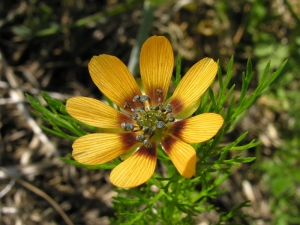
[145,120]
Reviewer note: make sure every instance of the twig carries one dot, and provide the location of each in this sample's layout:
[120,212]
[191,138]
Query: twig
[294,14]
[8,187]
[42,194]
[31,90]
[6,101]
[17,95]
[240,31]
[18,171]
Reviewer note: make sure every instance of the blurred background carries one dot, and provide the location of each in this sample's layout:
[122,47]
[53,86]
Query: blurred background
[46,46]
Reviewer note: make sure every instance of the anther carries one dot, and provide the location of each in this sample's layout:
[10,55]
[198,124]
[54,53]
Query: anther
[146,129]
[139,109]
[135,116]
[151,132]
[135,98]
[144,98]
[161,108]
[159,118]
[148,118]
[127,126]
[140,138]
[147,143]
[169,108]
[127,105]
[130,126]
[140,123]
[160,124]
[159,93]
[170,117]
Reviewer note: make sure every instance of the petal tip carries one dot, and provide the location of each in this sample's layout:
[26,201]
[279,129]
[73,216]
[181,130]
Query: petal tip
[135,170]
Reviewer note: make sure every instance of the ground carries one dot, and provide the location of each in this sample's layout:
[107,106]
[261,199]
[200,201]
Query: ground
[46,46]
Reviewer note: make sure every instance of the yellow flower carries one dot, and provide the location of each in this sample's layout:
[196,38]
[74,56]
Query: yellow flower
[145,121]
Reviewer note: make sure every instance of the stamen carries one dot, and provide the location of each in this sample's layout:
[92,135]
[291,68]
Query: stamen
[127,105]
[123,125]
[160,124]
[135,98]
[169,108]
[170,117]
[141,98]
[151,132]
[147,143]
[140,109]
[146,130]
[141,138]
[144,98]
[160,117]
[135,116]
[130,126]
[150,121]
[159,93]
[127,126]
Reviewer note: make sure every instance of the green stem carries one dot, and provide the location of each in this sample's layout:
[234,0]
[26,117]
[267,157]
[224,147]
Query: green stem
[142,36]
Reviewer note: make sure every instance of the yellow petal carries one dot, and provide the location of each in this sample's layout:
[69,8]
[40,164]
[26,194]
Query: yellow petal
[135,170]
[182,155]
[185,99]
[96,113]
[198,128]
[156,66]
[98,148]
[114,79]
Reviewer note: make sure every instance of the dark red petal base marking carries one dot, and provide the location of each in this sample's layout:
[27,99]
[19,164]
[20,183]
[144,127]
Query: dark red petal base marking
[128,139]
[155,97]
[124,119]
[177,106]
[177,128]
[167,143]
[150,152]
[132,105]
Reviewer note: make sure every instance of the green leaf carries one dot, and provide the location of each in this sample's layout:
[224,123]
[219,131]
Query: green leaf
[104,166]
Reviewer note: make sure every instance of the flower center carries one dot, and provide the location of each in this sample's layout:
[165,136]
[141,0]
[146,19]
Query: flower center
[151,120]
